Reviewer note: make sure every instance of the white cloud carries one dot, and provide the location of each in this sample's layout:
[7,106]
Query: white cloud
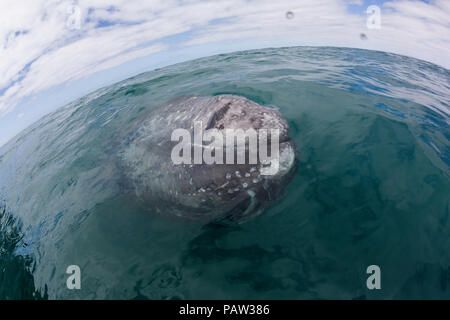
[38,50]
[355,2]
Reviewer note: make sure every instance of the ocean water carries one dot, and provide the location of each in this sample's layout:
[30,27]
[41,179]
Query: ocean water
[372,188]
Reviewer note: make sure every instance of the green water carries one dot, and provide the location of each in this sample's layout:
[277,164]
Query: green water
[372,187]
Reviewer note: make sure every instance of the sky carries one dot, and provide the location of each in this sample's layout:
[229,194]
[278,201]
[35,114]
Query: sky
[54,51]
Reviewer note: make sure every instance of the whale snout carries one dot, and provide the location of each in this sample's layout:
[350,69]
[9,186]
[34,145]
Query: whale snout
[239,163]
[250,187]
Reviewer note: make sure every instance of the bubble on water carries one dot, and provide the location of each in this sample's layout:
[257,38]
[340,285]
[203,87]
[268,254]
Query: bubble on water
[289,15]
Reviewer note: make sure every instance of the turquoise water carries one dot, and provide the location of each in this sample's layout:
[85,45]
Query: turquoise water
[372,187]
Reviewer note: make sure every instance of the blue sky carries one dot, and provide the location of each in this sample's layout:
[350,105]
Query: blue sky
[55,51]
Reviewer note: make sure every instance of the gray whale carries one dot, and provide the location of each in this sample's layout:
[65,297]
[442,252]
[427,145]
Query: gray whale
[228,193]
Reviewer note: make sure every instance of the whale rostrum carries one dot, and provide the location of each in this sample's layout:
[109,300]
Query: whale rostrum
[180,161]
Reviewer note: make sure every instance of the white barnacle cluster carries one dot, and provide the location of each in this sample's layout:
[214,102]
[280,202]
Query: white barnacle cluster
[246,179]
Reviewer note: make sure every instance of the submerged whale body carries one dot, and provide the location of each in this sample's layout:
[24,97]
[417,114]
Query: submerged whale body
[216,192]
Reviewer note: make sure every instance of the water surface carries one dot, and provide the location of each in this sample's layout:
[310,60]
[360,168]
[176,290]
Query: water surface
[372,187]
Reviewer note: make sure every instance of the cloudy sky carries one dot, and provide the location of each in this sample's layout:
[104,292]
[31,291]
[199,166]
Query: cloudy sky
[54,51]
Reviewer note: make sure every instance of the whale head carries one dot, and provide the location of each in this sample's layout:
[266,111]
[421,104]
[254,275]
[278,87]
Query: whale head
[221,159]
[239,190]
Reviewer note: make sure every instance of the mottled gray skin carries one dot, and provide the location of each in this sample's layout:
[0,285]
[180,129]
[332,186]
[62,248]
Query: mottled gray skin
[210,193]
